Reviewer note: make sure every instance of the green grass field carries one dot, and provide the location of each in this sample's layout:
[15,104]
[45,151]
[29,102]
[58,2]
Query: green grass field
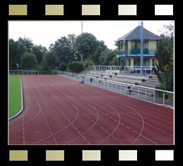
[14,94]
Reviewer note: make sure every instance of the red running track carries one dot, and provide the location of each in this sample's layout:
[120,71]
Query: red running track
[58,110]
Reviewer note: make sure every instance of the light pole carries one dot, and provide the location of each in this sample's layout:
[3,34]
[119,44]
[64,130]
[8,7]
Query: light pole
[142,46]
[81,33]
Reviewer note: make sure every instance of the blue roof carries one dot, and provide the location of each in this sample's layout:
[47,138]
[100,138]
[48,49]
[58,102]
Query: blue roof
[135,34]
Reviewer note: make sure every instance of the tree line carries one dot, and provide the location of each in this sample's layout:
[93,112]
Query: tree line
[65,54]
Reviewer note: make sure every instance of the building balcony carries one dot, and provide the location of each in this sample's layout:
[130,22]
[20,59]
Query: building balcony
[121,52]
[137,52]
[145,51]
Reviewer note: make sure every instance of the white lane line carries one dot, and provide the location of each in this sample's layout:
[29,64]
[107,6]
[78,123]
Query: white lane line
[142,128]
[45,118]
[119,121]
[122,124]
[107,132]
[135,131]
[23,133]
[144,113]
[148,139]
[101,127]
[95,122]
[159,129]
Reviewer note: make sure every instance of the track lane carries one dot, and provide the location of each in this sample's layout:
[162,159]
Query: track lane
[78,96]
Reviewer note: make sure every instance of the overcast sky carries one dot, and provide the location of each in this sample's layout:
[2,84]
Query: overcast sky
[46,32]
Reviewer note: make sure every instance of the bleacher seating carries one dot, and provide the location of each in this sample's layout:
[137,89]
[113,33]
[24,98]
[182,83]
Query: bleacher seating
[113,75]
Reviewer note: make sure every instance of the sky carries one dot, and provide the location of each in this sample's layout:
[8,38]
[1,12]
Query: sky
[47,32]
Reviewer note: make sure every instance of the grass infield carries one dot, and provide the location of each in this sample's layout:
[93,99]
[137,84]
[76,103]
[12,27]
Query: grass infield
[14,94]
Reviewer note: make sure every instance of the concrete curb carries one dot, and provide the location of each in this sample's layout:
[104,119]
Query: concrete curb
[21,104]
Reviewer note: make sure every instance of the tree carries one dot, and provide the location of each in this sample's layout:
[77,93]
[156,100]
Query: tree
[85,44]
[28,61]
[106,57]
[27,43]
[62,66]
[76,67]
[117,44]
[164,57]
[39,51]
[16,49]
[100,47]
[63,49]
[50,60]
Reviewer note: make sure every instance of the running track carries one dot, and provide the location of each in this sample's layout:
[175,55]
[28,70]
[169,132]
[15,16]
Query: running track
[58,110]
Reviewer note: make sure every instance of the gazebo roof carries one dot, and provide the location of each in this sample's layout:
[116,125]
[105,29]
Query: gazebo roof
[135,34]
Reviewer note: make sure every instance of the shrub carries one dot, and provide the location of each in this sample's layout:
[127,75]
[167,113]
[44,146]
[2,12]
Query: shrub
[76,67]
[86,63]
[63,67]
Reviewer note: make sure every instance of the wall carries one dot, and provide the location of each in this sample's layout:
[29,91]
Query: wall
[129,45]
[152,44]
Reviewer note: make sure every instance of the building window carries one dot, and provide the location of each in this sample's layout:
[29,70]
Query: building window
[133,45]
[153,62]
[146,44]
[146,62]
[137,44]
[136,62]
[129,62]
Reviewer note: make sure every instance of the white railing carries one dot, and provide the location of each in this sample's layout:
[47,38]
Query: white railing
[152,95]
[23,71]
[147,70]
[103,67]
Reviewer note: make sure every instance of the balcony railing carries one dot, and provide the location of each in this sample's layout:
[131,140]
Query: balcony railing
[137,51]
[121,52]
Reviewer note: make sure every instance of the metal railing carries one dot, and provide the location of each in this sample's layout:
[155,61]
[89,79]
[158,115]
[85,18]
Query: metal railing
[104,67]
[137,51]
[147,70]
[23,71]
[152,95]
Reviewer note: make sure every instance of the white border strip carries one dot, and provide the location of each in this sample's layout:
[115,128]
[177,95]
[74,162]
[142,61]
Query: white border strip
[21,104]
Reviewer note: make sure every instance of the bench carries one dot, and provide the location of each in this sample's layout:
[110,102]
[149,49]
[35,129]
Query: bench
[81,81]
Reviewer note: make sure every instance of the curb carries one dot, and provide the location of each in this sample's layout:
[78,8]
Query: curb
[21,104]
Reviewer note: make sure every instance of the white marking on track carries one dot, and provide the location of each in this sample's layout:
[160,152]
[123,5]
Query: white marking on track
[23,133]
[45,118]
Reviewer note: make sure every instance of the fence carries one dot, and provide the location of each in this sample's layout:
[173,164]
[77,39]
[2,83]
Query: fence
[152,95]
[147,70]
[104,67]
[23,71]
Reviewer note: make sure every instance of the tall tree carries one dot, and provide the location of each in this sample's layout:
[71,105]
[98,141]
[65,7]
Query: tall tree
[50,60]
[106,57]
[164,57]
[27,43]
[16,49]
[28,61]
[39,51]
[63,49]
[85,44]
[100,47]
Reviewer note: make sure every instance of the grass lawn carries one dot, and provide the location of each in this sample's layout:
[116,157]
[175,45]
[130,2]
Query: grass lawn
[14,94]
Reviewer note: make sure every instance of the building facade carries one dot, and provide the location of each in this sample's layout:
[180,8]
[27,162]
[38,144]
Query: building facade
[129,48]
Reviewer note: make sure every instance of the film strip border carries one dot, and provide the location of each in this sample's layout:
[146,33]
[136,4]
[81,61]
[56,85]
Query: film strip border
[91,155]
[90,10]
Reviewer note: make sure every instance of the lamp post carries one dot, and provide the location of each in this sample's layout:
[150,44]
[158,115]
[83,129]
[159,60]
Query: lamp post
[81,33]
[142,46]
